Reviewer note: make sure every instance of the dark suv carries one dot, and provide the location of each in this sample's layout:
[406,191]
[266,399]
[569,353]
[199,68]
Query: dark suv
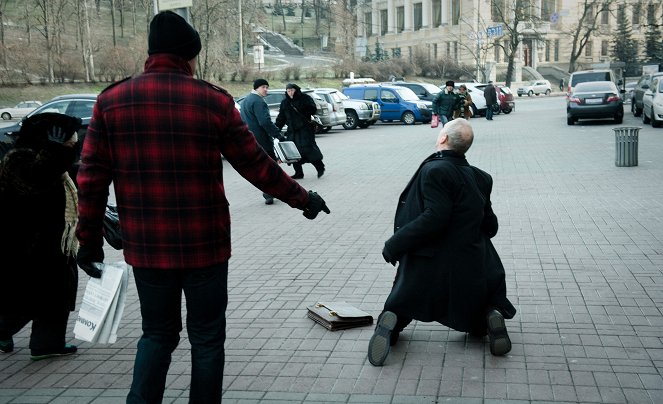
[639,91]
[425,91]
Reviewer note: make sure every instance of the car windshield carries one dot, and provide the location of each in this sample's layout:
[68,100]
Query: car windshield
[506,90]
[407,94]
[594,86]
[590,76]
[343,96]
[660,86]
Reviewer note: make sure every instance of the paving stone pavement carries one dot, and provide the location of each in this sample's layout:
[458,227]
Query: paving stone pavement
[581,241]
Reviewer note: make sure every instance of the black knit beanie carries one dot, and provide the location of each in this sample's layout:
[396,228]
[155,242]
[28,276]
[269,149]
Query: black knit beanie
[449,83]
[170,33]
[260,82]
[292,85]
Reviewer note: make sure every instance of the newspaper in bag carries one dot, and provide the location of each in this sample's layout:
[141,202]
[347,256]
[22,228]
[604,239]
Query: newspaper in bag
[103,305]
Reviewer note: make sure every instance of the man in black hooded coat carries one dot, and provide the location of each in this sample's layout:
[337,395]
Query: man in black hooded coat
[448,269]
[295,111]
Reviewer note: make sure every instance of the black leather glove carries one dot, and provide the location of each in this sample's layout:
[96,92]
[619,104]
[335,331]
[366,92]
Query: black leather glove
[387,256]
[57,135]
[88,259]
[314,206]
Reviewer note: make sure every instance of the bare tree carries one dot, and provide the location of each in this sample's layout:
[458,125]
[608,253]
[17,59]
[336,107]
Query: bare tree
[3,7]
[581,33]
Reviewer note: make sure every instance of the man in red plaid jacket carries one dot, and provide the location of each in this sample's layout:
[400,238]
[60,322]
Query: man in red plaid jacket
[159,138]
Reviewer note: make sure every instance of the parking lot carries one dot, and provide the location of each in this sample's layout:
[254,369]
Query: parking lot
[581,241]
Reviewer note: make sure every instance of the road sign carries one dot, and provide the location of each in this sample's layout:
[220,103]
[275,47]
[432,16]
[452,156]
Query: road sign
[495,31]
[259,54]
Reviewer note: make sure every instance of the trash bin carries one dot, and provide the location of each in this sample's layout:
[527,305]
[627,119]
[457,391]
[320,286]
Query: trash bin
[626,146]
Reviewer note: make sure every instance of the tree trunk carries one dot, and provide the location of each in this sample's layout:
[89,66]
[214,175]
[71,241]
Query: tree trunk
[112,8]
[88,51]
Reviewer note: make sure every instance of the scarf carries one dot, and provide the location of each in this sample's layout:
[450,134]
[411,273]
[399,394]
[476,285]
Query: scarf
[69,244]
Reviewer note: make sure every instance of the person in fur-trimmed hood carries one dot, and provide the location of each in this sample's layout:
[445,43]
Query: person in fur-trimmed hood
[37,241]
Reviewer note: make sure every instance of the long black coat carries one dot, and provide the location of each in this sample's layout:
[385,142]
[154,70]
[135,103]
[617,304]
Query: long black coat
[448,269]
[296,113]
[36,276]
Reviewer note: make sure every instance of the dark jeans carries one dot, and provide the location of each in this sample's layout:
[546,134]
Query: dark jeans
[48,330]
[160,294]
[489,112]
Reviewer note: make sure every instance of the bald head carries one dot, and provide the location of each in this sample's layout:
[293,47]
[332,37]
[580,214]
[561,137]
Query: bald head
[456,135]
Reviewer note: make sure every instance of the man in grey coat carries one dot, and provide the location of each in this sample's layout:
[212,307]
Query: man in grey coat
[255,113]
[448,271]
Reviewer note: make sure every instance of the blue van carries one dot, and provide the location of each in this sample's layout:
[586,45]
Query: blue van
[396,103]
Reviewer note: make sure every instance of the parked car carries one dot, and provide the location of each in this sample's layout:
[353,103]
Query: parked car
[337,114]
[506,101]
[396,103]
[639,91]
[535,87]
[583,76]
[275,96]
[652,103]
[595,99]
[78,105]
[20,110]
[362,113]
[425,91]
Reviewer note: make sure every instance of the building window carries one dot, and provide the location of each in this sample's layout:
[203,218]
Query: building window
[368,23]
[590,14]
[455,12]
[548,7]
[556,50]
[588,49]
[434,51]
[400,19]
[548,51]
[455,50]
[636,14]
[605,14]
[448,49]
[604,48]
[417,16]
[651,14]
[437,13]
[497,10]
[383,22]
[498,52]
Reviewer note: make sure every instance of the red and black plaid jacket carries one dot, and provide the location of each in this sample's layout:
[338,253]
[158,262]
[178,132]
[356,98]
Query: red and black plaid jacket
[159,138]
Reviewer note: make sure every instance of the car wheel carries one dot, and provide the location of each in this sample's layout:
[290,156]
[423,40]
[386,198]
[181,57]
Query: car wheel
[654,122]
[408,118]
[547,92]
[530,93]
[570,120]
[619,118]
[645,118]
[351,120]
[507,110]
[496,109]
[633,108]
[520,95]
[475,111]
[6,116]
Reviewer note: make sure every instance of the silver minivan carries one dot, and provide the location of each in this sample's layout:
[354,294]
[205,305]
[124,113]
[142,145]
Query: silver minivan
[337,114]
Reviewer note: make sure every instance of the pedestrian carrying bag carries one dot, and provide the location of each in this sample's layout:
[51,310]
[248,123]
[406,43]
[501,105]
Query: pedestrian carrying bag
[338,315]
[286,151]
[111,227]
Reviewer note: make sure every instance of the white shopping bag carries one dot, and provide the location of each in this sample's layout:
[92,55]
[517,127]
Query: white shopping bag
[103,305]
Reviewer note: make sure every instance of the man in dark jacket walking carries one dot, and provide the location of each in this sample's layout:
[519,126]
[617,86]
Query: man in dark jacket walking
[159,137]
[491,99]
[448,269]
[295,111]
[255,113]
[446,102]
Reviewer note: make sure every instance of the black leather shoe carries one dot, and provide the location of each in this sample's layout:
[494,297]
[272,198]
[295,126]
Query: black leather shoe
[500,343]
[378,346]
[321,172]
[297,176]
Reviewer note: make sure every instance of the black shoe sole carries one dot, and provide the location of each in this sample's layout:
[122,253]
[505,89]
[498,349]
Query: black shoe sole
[500,343]
[378,346]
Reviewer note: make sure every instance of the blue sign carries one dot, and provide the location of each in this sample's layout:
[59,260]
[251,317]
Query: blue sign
[554,17]
[494,31]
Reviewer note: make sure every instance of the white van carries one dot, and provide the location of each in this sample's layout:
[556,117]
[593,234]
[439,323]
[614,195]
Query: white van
[583,76]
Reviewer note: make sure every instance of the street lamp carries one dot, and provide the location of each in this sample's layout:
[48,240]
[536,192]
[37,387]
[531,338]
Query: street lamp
[302,35]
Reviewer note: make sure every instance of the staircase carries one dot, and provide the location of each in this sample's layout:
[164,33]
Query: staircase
[279,42]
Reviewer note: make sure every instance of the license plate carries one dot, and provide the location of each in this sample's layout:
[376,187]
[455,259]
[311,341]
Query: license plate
[594,101]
